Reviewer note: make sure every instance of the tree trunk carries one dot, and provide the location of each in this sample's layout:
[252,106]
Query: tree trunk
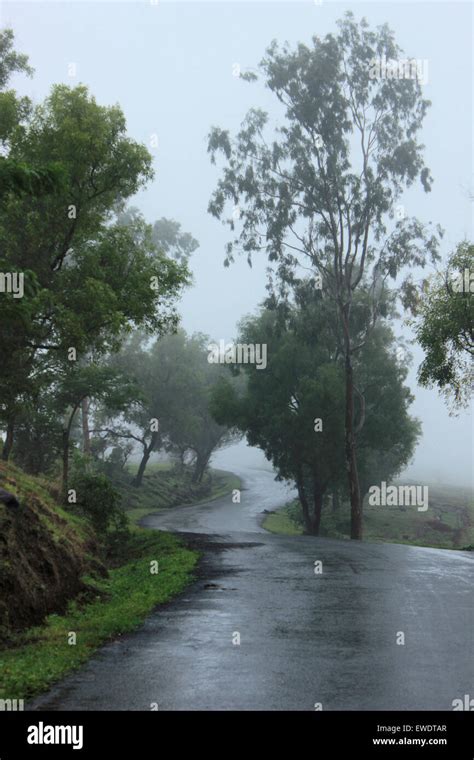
[65,472]
[147,452]
[304,502]
[86,438]
[200,466]
[8,444]
[317,508]
[65,455]
[351,458]
[138,479]
[336,503]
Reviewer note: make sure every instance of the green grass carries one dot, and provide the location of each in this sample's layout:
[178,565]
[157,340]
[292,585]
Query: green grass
[39,656]
[280,522]
[447,524]
[39,491]
[163,487]
[43,655]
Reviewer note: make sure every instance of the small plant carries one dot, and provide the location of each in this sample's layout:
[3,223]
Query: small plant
[295,513]
[98,501]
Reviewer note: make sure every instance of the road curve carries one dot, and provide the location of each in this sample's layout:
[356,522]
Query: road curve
[261,630]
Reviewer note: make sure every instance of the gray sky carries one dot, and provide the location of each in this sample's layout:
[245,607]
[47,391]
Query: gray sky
[170,67]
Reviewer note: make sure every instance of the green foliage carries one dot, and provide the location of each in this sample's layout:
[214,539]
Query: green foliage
[319,190]
[20,179]
[279,406]
[88,278]
[165,486]
[80,380]
[287,521]
[168,237]
[13,110]
[114,606]
[44,550]
[389,435]
[310,172]
[444,328]
[448,524]
[98,500]
[38,435]
[304,381]
[11,62]
[175,380]
[17,177]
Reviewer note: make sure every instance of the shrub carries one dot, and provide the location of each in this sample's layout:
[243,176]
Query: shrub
[98,500]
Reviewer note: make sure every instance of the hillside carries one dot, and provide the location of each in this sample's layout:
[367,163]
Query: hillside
[55,579]
[44,553]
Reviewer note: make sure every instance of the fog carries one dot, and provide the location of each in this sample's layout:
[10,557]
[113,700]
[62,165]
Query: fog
[170,67]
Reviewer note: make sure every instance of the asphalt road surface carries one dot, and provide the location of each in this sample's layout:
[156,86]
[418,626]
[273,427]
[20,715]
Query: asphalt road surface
[260,629]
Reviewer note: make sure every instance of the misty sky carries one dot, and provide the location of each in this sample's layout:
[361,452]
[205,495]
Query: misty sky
[170,67]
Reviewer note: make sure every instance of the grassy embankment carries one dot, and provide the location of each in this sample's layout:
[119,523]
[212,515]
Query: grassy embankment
[448,522]
[163,487]
[112,601]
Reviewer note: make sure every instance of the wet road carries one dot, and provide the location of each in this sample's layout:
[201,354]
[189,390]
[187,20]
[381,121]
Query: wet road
[259,629]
